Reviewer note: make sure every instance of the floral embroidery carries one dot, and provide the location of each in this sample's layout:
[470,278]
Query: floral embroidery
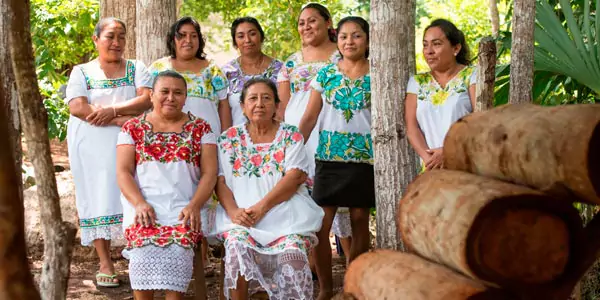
[344,94]
[288,242]
[430,90]
[300,73]
[128,80]
[237,78]
[257,160]
[101,221]
[167,147]
[343,146]
[138,236]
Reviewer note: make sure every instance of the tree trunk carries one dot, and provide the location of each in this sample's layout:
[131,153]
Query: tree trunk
[521,61]
[154,20]
[386,274]
[486,74]
[178,9]
[392,62]
[124,10]
[554,149]
[494,18]
[490,230]
[58,236]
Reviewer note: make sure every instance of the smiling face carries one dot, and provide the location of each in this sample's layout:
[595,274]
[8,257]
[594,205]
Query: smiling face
[168,96]
[259,104]
[186,42]
[248,39]
[312,27]
[352,41]
[438,51]
[111,42]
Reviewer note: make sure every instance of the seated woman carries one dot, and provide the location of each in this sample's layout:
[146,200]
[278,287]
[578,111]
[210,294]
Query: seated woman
[167,170]
[267,220]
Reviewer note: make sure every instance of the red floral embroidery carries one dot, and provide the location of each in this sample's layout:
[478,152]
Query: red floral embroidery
[139,236]
[256,159]
[231,132]
[237,164]
[296,137]
[279,156]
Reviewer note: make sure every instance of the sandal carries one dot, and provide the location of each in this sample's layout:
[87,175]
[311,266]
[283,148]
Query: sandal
[106,283]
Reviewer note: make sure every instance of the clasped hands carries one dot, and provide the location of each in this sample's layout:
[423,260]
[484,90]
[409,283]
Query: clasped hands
[248,217]
[435,160]
[189,215]
[101,116]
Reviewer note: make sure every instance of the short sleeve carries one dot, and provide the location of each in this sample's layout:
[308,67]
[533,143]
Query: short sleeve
[296,156]
[317,82]
[473,77]
[219,82]
[76,87]
[156,67]
[142,75]
[125,138]
[413,86]
[202,132]
[283,75]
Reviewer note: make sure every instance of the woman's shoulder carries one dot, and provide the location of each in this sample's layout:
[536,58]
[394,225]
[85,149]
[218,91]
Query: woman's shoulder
[293,59]
[230,67]
[422,78]
[291,132]
[197,122]
[133,123]
[231,132]
[161,64]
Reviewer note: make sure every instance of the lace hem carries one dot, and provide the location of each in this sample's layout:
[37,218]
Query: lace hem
[156,268]
[112,233]
[341,223]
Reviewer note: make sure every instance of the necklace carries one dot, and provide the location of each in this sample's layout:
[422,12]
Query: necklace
[255,68]
[111,75]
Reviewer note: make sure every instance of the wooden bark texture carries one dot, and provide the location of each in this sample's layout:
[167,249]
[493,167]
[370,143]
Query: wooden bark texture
[392,42]
[125,11]
[494,17]
[387,274]
[554,149]
[154,18]
[522,47]
[58,236]
[487,229]
[486,74]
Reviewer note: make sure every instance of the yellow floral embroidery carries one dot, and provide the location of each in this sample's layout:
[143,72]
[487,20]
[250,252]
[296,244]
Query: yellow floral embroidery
[439,97]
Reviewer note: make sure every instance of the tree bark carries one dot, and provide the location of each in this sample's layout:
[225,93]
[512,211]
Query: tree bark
[489,230]
[386,274]
[125,11]
[58,236]
[494,18]
[554,149]
[154,19]
[178,8]
[486,74]
[522,48]
[392,62]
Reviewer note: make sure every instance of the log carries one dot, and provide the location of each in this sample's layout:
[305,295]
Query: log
[554,149]
[387,274]
[503,234]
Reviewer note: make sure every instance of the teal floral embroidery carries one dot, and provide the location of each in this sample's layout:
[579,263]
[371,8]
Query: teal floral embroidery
[128,80]
[101,221]
[344,146]
[344,94]
[288,242]
[430,90]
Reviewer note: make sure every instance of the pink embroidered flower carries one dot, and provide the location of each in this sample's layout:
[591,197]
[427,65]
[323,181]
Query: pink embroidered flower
[256,159]
[266,168]
[156,150]
[184,153]
[237,164]
[296,137]
[244,143]
[231,133]
[226,145]
[279,155]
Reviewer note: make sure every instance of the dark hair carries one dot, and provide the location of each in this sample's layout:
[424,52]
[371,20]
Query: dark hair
[455,36]
[171,74]
[324,12]
[242,20]
[174,31]
[362,23]
[257,80]
[105,21]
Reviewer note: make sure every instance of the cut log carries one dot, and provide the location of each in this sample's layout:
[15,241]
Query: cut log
[387,274]
[490,230]
[554,149]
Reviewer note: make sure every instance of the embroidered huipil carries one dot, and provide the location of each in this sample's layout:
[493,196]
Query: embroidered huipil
[167,172]
[92,153]
[237,78]
[345,122]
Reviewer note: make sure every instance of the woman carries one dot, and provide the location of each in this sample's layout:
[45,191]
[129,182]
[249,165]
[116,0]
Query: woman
[341,94]
[247,36]
[206,83]
[437,99]
[167,170]
[266,219]
[102,94]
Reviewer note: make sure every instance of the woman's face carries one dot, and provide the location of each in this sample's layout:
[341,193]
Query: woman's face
[168,96]
[352,41]
[111,42]
[186,42]
[437,50]
[312,27]
[259,104]
[247,38]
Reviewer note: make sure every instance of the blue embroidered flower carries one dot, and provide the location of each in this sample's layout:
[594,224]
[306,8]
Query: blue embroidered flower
[289,64]
[343,146]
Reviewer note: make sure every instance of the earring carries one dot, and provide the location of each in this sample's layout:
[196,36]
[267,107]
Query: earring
[455,53]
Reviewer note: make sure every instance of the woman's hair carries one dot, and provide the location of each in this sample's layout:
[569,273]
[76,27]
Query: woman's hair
[362,23]
[455,36]
[174,33]
[171,74]
[242,20]
[105,21]
[257,80]
[324,12]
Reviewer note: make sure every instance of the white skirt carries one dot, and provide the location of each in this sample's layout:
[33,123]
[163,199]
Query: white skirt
[157,268]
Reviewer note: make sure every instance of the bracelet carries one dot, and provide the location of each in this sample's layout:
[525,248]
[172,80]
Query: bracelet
[114,111]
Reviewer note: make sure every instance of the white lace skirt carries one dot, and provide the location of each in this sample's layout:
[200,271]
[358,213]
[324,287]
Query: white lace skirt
[341,223]
[157,268]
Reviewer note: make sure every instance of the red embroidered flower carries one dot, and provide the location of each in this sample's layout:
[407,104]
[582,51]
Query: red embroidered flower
[181,229]
[156,150]
[279,155]
[148,231]
[160,138]
[237,164]
[184,242]
[256,159]
[171,146]
[162,241]
[184,153]
[136,133]
[199,132]
[296,137]
[169,157]
[137,157]
[196,146]
[231,133]
[174,138]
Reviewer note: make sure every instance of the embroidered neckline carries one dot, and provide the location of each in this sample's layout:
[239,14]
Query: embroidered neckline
[191,118]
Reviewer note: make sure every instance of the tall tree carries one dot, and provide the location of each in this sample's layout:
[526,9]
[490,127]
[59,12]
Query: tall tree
[153,21]
[392,62]
[58,235]
[124,10]
[494,18]
[522,49]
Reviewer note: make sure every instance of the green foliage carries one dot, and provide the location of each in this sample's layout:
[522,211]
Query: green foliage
[61,35]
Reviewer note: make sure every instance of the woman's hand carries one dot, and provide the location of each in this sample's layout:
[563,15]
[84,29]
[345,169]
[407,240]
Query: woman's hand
[190,215]
[240,217]
[256,212]
[101,116]
[144,214]
[436,160]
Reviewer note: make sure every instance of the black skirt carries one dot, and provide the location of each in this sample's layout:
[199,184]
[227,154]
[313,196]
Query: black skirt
[344,184]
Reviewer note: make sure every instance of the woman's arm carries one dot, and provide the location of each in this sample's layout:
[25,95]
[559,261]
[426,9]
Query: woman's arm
[133,107]
[225,114]
[414,133]
[311,114]
[81,108]
[284,93]
[125,178]
[225,196]
[473,95]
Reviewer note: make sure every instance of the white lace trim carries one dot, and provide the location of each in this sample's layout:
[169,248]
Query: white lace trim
[113,233]
[341,223]
[157,268]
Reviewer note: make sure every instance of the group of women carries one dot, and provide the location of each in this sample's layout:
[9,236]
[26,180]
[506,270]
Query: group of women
[260,155]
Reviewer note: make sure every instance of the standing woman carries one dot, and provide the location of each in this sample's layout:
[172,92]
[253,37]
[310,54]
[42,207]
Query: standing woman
[247,36]
[437,99]
[344,177]
[102,94]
